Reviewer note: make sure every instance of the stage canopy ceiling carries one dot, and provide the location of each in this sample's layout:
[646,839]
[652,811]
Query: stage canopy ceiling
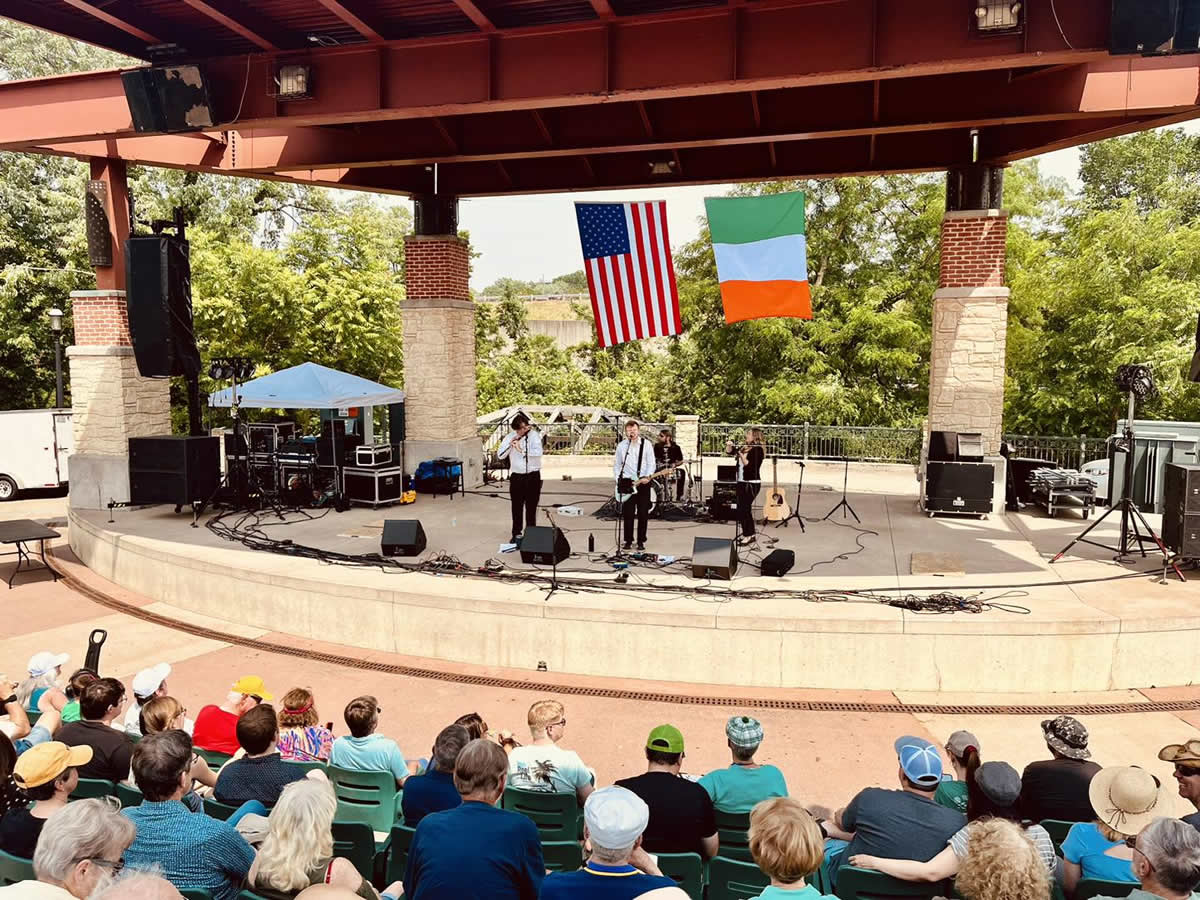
[522,96]
[308,386]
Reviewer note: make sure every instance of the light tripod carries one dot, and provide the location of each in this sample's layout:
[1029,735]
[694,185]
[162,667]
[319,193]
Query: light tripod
[844,504]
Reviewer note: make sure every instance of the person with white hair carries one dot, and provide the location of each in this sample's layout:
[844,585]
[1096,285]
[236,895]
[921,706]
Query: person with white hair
[148,684]
[137,885]
[81,849]
[613,821]
[1166,861]
[45,669]
[216,726]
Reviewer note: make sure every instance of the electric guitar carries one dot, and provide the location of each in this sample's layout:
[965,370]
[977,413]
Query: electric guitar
[622,497]
[775,507]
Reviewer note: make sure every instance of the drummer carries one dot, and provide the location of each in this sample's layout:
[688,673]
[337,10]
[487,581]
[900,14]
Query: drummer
[667,453]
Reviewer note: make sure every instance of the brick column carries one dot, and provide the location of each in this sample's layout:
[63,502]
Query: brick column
[439,354]
[110,401]
[970,327]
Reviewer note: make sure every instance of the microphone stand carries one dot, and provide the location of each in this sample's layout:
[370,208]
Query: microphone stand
[843,504]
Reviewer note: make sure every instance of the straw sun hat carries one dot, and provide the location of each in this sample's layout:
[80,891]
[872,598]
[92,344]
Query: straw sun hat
[1126,798]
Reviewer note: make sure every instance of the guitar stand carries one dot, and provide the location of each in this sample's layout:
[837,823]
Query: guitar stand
[783,523]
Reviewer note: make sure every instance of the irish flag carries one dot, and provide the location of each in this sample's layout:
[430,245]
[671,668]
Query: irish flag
[762,261]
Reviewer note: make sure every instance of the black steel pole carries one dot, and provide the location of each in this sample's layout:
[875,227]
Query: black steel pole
[58,380]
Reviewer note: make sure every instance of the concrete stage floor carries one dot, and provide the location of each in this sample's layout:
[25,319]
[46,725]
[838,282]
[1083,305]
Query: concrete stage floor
[1086,628]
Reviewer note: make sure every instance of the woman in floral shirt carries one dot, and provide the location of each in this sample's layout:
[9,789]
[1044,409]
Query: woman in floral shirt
[301,739]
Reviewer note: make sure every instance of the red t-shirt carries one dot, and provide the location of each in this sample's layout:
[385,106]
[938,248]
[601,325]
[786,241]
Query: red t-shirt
[216,730]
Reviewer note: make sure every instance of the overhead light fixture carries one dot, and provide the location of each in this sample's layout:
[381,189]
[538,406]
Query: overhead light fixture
[662,167]
[998,16]
[293,81]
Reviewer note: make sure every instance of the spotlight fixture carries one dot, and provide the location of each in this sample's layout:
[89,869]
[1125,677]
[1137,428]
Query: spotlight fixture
[293,81]
[998,16]
[1138,379]
[227,368]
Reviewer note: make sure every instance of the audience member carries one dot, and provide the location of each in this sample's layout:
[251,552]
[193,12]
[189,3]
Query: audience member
[364,750]
[897,824]
[47,774]
[543,765]
[261,774]
[16,725]
[963,750]
[739,787]
[993,792]
[165,714]
[681,818]
[45,669]
[134,885]
[1166,861]
[298,848]
[79,679]
[1186,758]
[614,819]
[216,726]
[1126,799]
[478,728]
[1001,864]
[11,796]
[788,847]
[79,852]
[148,684]
[434,791]
[1058,788]
[476,849]
[301,738]
[100,705]
[193,851]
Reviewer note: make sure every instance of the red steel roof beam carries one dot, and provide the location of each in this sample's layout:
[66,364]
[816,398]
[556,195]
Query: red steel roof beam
[353,19]
[123,23]
[235,20]
[476,15]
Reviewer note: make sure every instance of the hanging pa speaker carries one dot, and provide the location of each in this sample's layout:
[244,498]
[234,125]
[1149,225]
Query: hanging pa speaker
[99,234]
[1155,26]
[158,298]
[544,546]
[713,558]
[167,98]
[403,537]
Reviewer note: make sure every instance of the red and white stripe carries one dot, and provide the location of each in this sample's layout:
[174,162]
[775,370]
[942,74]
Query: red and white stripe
[634,294]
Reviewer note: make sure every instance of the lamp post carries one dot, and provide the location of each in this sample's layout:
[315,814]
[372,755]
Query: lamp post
[56,327]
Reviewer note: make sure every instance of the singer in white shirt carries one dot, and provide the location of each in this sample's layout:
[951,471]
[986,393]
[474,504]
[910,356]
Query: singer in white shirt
[523,449]
[634,460]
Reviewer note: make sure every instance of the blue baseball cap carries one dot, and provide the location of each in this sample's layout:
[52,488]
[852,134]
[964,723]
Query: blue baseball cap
[920,760]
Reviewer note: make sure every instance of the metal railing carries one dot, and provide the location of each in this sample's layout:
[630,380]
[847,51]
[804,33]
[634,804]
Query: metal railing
[1066,452]
[866,444]
[572,438]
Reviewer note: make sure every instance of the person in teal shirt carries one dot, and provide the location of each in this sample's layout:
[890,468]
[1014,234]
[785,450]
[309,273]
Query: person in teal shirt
[737,788]
[788,846]
[963,748]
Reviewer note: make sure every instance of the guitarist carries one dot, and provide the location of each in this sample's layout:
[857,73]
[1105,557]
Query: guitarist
[669,455]
[749,479]
[634,460]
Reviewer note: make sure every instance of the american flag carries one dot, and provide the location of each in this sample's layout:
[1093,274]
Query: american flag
[627,257]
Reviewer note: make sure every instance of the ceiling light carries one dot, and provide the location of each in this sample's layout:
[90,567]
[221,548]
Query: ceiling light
[662,167]
[293,82]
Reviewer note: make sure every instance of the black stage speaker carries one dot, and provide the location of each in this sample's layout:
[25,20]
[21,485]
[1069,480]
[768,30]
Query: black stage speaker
[395,423]
[778,563]
[167,98]
[544,546]
[158,286]
[943,445]
[714,558]
[403,537]
[1155,26]
[1181,509]
[959,487]
[173,469]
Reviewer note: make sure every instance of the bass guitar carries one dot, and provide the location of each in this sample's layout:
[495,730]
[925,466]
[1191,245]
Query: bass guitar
[775,507]
[621,496]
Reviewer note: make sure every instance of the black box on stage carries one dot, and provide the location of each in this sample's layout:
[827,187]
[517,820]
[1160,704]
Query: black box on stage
[374,487]
[269,437]
[173,469]
[727,473]
[1181,509]
[235,444]
[778,563]
[544,546]
[713,558]
[373,456]
[402,537]
[959,487]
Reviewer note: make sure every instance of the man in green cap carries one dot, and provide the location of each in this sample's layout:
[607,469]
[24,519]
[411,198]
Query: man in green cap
[681,813]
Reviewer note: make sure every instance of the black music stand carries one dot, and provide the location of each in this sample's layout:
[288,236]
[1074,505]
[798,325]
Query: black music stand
[843,504]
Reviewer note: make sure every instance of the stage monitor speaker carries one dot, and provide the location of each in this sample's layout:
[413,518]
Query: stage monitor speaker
[778,563]
[99,234]
[1181,509]
[714,558]
[544,546]
[970,447]
[173,469]
[403,537]
[158,287]
[1155,26]
[943,446]
[167,98]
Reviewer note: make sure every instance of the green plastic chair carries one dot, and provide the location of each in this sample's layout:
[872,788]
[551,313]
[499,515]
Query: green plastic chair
[356,842]
[214,758]
[555,815]
[308,766]
[128,795]
[1096,887]
[247,894]
[14,869]
[854,883]
[217,809]
[196,894]
[1057,829]
[93,787]
[402,838]
[733,832]
[562,856]
[733,879]
[687,869]
[367,797]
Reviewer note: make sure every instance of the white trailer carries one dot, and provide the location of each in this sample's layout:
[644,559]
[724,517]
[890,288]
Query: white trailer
[34,446]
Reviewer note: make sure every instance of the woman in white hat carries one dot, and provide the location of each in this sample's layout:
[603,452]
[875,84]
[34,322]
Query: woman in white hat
[45,669]
[1126,799]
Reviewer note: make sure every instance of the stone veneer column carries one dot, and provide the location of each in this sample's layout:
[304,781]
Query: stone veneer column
[439,354]
[970,327]
[110,401]
[687,436]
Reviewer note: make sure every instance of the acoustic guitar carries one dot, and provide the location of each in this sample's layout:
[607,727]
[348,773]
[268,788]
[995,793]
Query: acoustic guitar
[775,507]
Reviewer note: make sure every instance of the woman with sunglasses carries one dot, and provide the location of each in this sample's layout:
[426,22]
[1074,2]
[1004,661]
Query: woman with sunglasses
[1186,757]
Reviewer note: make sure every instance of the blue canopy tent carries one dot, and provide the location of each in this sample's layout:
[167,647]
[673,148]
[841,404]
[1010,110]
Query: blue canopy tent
[309,386]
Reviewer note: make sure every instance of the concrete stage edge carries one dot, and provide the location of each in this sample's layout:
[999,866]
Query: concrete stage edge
[831,646]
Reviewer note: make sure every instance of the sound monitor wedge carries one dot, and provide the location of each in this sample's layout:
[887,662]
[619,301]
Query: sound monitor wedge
[403,537]
[714,558]
[544,546]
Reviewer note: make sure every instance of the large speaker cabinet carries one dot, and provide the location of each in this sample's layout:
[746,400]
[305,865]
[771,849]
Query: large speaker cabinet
[173,469]
[158,284]
[959,487]
[1181,509]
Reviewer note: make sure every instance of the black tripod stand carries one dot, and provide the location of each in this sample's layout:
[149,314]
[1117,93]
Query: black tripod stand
[795,514]
[1131,516]
[844,504]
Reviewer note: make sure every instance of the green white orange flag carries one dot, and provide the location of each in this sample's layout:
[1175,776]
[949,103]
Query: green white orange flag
[762,259]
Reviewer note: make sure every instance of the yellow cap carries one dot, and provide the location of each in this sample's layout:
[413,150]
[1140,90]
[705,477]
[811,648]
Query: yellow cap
[252,684]
[43,763]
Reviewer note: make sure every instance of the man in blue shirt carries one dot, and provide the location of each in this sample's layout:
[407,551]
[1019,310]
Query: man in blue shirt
[619,869]
[192,850]
[435,791]
[261,774]
[365,751]
[476,850]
